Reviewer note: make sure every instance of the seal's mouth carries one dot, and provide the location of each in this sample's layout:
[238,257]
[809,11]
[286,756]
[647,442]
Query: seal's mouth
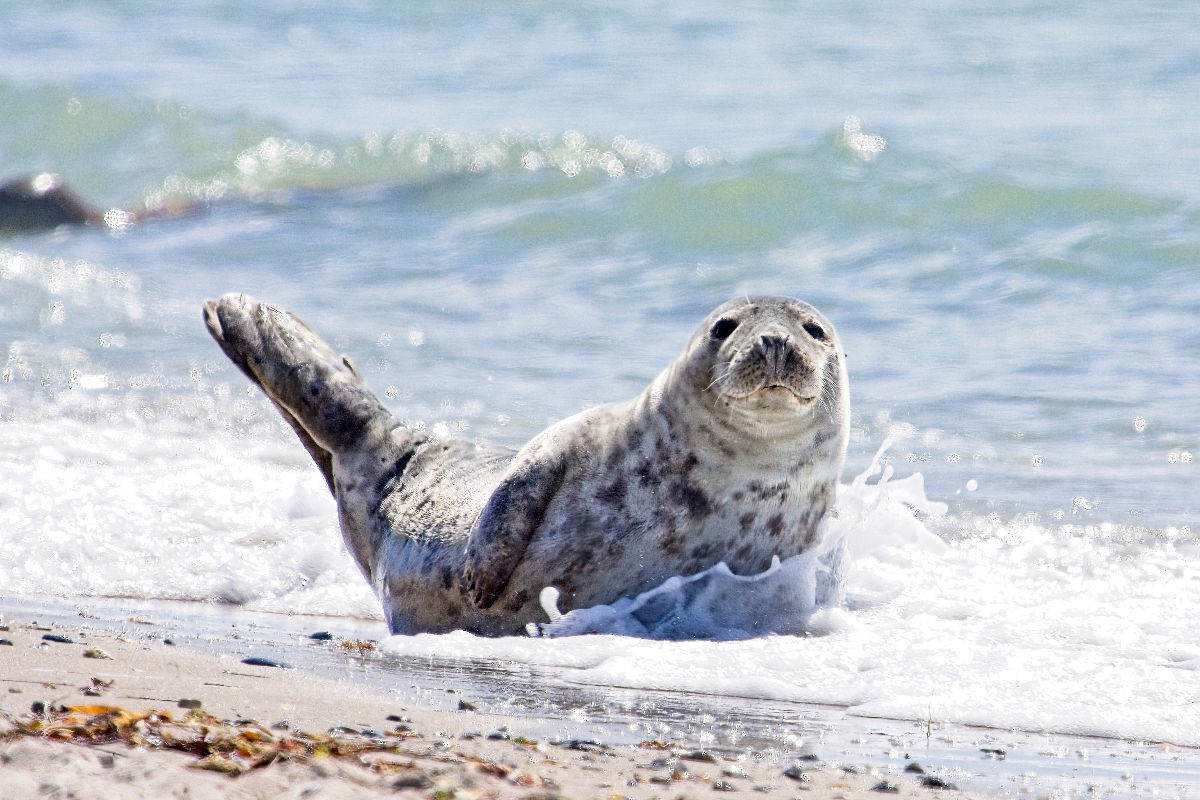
[779,391]
[799,398]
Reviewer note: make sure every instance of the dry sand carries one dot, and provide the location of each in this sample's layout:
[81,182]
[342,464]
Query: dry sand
[74,726]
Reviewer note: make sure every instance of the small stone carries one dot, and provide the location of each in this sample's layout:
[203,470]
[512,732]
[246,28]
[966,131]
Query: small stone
[219,763]
[585,745]
[914,767]
[6,642]
[96,652]
[499,736]
[256,661]
[398,718]
[699,755]
[188,702]
[997,753]
[886,788]
[55,637]
[797,773]
[934,782]
[724,786]
[463,705]
[168,642]
[38,708]
[415,781]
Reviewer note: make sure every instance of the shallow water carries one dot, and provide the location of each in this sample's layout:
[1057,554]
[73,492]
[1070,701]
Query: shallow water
[507,213]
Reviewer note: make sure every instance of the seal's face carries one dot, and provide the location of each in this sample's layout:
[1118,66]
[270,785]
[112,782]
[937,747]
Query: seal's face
[769,360]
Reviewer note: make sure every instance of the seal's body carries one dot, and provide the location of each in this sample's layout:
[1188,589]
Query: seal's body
[732,454]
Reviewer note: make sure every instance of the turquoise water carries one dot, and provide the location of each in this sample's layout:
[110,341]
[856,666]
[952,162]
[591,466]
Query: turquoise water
[506,212]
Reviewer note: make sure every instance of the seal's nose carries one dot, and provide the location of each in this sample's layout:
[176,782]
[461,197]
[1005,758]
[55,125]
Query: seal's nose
[775,351]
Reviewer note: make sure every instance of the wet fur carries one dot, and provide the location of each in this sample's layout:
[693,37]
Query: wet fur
[732,454]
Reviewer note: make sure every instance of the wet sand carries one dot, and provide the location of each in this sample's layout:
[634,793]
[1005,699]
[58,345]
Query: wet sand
[127,714]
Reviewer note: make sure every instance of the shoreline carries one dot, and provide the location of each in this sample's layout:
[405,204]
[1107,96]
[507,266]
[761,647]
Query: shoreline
[455,705]
[105,712]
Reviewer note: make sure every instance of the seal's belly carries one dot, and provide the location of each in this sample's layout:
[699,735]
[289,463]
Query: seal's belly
[595,550]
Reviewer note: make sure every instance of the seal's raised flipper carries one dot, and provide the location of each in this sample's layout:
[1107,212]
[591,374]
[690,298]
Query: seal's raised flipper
[512,514]
[318,392]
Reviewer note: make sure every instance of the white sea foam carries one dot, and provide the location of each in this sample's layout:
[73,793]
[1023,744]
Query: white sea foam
[170,513]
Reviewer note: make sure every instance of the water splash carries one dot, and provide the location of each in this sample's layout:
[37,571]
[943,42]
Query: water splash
[799,595]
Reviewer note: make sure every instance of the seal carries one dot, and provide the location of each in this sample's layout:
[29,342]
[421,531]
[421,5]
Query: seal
[44,202]
[732,454]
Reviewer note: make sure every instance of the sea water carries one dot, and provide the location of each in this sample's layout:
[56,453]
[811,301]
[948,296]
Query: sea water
[507,213]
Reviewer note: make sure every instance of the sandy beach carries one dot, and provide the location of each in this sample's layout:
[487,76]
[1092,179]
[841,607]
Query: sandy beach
[87,713]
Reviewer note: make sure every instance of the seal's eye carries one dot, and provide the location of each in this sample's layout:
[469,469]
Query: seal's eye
[814,330]
[723,328]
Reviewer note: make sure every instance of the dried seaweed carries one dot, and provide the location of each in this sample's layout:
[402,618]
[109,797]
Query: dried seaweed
[220,745]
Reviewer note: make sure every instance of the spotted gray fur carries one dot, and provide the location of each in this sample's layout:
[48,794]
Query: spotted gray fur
[732,454]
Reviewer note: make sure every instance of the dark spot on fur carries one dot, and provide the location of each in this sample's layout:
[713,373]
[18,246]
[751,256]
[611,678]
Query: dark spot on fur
[614,493]
[385,483]
[702,550]
[649,472]
[447,578]
[693,500]
[774,491]
[746,520]
[672,543]
[775,525]
[584,558]
[824,436]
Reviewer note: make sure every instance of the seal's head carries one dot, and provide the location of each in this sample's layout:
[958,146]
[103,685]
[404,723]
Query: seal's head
[769,366]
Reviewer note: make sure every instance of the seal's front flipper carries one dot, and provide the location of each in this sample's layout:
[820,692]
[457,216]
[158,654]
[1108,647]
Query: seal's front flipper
[504,529]
[318,392]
